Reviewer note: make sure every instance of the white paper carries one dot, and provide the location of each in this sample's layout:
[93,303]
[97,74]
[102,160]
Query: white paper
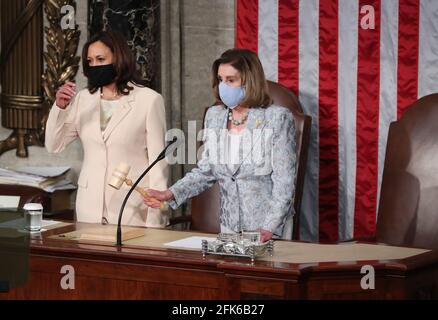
[47,172]
[61,185]
[189,243]
[12,175]
[27,177]
[9,201]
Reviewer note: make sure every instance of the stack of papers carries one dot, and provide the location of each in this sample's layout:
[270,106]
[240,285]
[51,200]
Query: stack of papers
[49,179]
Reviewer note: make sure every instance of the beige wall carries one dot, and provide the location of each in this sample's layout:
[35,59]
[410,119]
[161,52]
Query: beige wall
[208,30]
[194,33]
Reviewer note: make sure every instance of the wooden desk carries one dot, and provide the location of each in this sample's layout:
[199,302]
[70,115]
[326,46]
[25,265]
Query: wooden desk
[133,272]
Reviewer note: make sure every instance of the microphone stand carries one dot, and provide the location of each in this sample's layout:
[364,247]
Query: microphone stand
[161,156]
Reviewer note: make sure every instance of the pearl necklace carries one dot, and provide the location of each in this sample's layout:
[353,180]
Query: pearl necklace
[115,94]
[237,122]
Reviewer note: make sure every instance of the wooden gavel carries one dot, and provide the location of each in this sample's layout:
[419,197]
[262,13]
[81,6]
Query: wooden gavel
[120,176]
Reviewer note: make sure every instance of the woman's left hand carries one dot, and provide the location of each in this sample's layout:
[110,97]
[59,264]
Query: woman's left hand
[265,235]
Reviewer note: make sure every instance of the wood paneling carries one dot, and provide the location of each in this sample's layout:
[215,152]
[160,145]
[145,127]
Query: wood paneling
[108,272]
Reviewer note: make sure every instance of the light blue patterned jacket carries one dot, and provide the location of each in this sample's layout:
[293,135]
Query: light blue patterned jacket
[259,192]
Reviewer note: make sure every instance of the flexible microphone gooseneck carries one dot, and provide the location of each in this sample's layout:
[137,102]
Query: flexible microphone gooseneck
[161,156]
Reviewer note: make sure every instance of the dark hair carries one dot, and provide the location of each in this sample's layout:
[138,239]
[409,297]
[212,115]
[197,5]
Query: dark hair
[124,61]
[251,71]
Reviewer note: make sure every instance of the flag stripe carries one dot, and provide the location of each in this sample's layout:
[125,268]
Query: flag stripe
[268,38]
[288,41]
[328,121]
[308,95]
[428,48]
[388,79]
[367,133]
[348,33]
[247,24]
[353,82]
[407,92]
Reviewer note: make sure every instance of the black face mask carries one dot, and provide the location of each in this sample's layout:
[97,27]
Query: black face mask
[99,76]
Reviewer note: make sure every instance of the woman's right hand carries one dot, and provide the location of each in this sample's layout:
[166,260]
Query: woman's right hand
[161,196]
[65,94]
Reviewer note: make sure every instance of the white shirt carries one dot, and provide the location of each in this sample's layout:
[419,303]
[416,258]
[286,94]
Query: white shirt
[106,111]
[232,149]
[232,158]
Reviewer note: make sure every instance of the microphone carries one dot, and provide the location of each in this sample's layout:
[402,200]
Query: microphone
[161,156]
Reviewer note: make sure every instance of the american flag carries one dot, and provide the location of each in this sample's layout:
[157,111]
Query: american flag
[355,65]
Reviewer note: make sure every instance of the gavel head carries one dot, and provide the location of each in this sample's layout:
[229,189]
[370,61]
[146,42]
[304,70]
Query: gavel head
[119,175]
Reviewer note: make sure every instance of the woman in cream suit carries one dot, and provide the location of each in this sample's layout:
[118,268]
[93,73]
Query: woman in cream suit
[249,149]
[117,120]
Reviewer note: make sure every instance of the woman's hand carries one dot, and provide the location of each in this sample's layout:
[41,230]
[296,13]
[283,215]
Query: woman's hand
[265,235]
[157,197]
[65,94]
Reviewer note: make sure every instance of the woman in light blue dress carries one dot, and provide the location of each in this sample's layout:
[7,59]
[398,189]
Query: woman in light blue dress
[249,149]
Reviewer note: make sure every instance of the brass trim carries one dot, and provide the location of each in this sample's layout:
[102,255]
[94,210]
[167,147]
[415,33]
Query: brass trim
[28,90]
[62,64]
[10,99]
[21,23]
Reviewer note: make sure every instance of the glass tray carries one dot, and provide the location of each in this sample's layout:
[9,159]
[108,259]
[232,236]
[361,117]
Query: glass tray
[235,245]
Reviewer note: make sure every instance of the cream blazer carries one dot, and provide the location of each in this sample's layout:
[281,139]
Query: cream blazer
[135,134]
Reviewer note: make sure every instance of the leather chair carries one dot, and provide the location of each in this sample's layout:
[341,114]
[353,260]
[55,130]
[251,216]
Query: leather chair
[206,206]
[408,208]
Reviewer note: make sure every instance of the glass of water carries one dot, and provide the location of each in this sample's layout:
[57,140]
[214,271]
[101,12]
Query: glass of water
[33,216]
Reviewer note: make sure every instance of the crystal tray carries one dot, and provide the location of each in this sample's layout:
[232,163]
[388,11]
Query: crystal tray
[236,245]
